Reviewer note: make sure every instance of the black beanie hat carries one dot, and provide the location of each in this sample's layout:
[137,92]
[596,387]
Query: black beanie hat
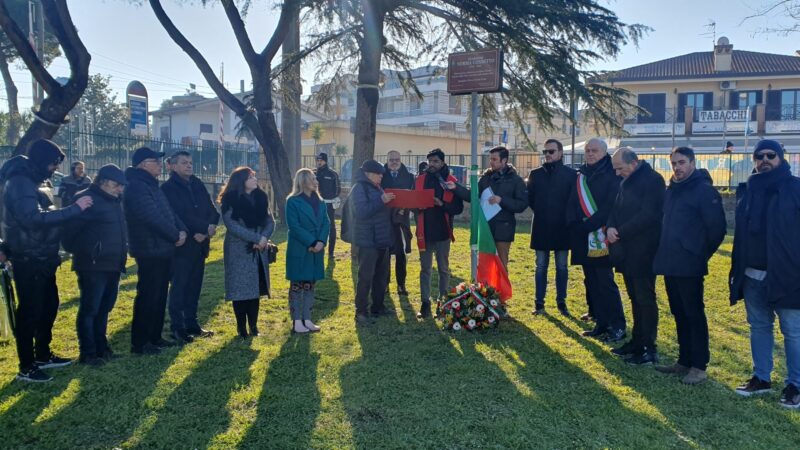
[769,144]
[323,156]
[372,166]
[45,152]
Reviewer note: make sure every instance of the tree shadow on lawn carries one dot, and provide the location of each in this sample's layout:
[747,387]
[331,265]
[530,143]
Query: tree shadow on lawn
[109,403]
[701,413]
[416,386]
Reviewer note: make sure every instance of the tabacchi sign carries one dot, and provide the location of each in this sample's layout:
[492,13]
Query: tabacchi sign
[731,115]
[479,71]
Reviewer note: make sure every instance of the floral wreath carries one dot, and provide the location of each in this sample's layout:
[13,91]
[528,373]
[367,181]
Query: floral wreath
[470,306]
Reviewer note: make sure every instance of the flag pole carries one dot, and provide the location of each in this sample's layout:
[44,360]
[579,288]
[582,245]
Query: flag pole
[473,176]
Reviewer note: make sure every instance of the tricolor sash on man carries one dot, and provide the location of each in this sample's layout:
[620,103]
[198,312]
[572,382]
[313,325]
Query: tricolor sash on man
[597,241]
[490,268]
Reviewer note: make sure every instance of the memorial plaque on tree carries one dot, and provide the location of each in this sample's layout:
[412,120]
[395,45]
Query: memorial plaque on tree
[480,71]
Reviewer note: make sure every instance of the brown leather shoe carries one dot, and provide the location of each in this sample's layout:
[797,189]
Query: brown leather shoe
[674,369]
[695,376]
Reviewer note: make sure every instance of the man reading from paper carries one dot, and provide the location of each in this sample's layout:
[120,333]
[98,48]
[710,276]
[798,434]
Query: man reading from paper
[502,193]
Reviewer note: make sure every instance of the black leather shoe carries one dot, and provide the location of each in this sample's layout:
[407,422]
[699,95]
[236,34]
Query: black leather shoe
[615,336]
[625,350]
[199,333]
[401,290]
[562,308]
[182,338]
[146,349]
[594,332]
[539,310]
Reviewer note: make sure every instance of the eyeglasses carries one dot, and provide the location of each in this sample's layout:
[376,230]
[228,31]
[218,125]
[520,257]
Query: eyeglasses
[549,152]
[769,155]
[394,159]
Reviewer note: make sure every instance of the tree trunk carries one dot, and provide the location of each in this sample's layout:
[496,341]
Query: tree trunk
[369,72]
[53,111]
[266,131]
[14,119]
[290,108]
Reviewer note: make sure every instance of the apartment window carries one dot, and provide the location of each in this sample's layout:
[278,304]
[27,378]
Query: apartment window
[745,100]
[655,104]
[790,104]
[206,128]
[700,101]
[164,133]
[455,104]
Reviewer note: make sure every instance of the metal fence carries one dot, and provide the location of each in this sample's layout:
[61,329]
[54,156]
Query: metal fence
[210,165]
[727,170]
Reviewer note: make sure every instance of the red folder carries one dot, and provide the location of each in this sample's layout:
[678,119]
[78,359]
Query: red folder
[411,199]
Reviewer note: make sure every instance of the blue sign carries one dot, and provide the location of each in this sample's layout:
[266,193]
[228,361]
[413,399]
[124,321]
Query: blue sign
[138,109]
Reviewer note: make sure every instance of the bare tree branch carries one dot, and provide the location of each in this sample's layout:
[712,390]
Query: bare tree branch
[216,85]
[60,21]
[275,42]
[239,30]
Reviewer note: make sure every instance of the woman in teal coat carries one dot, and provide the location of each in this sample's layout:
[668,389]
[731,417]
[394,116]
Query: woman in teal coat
[307,219]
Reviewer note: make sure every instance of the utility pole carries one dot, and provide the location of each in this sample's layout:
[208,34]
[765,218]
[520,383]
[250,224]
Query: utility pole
[290,105]
[36,38]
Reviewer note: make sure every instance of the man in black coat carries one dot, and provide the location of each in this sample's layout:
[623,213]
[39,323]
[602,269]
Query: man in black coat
[508,191]
[765,267]
[397,176]
[329,189]
[32,229]
[692,229]
[98,242]
[191,202]
[549,188]
[587,214]
[435,227]
[154,231]
[373,237]
[634,229]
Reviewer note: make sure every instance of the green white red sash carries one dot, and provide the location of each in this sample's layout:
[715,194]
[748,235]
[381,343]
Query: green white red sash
[598,244]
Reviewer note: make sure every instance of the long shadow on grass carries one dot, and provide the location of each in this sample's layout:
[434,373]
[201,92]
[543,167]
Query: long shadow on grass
[417,387]
[195,412]
[109,402]
[290,401]
[696,412]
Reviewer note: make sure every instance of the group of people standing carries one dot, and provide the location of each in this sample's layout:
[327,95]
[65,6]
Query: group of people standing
[613,212]
[166,227]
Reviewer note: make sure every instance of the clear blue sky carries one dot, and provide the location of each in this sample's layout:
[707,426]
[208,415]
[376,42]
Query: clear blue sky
[127,42]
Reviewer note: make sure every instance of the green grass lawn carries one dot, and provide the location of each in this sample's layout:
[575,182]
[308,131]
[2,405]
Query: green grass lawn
[397,383]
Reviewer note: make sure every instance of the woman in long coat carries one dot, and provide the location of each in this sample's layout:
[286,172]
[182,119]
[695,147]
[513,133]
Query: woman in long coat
[307,219]
[249,224]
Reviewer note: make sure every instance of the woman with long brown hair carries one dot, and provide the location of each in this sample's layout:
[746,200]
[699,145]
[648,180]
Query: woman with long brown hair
[249,224]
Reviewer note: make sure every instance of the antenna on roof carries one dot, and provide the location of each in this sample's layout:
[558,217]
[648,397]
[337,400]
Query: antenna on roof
[711,31]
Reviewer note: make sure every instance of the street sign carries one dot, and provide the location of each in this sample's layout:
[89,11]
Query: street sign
[137,105]
[475,72]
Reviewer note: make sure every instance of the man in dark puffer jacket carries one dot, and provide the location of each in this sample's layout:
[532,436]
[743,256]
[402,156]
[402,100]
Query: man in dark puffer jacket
[32,229]
[153,231]
[99,246]
[373,237]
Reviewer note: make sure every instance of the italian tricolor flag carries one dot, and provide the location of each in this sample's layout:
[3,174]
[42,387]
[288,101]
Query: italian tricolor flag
[490,269]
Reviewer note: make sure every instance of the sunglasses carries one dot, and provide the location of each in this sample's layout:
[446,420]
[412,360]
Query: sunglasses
[769,155]
[549,152]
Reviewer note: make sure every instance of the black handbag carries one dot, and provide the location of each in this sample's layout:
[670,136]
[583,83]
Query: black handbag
[272,252]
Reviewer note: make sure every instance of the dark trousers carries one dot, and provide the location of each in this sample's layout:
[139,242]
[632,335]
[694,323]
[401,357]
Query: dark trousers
[686,304]
[151,300]
[98,295]
[37,306]
[332,232]
[400,269]
[642,292]
[603,297]
[373,274]
[184,293]
[246,312]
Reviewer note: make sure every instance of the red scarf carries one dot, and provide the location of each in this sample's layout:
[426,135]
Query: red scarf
[447,198]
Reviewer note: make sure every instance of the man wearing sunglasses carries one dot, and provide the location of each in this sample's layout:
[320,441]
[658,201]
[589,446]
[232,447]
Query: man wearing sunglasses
[548,191]
[765,268]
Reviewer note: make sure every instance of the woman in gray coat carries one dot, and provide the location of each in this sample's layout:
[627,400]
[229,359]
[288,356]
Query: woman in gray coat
[249,224]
